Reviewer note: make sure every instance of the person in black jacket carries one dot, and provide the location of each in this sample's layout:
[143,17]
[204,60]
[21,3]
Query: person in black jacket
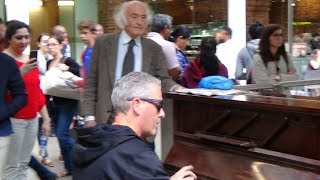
[118,151]
[10,82]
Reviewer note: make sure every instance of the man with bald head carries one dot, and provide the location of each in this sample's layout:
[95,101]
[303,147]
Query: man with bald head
[114,55]
[99,29]
[61,30]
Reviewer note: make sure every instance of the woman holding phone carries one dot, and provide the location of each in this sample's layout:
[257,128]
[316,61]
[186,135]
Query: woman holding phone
[24,122]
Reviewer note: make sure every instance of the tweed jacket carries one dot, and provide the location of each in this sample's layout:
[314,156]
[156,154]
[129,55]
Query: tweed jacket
[101,77]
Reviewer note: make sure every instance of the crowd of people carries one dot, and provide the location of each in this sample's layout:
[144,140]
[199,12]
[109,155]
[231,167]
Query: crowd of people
[123,75]
[24,105]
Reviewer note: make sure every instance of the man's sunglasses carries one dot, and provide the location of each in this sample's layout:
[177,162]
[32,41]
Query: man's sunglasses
[156,102]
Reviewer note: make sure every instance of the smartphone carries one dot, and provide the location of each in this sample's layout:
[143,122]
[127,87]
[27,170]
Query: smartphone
[32,61]
[33,54]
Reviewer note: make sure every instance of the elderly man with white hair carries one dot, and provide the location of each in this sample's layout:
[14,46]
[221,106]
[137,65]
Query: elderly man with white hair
[115,55]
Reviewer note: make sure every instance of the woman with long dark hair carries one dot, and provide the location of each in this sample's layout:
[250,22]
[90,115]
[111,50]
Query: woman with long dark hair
[207,64]
[272,63]
[24,122]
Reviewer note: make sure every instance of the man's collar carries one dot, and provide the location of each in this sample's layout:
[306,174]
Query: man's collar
[155,34]
[125,38]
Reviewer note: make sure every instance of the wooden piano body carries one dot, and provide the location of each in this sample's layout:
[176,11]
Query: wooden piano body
[246,136]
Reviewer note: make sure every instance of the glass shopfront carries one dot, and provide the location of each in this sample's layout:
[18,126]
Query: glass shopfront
[204,17]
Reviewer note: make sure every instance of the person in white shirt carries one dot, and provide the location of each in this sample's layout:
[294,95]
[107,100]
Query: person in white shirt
[159,33]
[227,50]
[42,55]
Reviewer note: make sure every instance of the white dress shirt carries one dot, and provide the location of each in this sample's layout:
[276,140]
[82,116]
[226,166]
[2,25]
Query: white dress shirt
[168,48]
[227,53]
[123,45]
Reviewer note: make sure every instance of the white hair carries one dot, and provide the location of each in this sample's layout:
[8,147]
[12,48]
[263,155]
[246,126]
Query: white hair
[119,15]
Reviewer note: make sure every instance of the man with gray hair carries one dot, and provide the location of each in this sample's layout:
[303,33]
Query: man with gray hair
[118,151]
[160,31]
[115,55]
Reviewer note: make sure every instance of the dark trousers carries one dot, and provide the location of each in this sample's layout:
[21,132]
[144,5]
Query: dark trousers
[42,171]
[65,113]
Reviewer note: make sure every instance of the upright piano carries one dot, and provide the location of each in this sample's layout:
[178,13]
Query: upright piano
[246,136]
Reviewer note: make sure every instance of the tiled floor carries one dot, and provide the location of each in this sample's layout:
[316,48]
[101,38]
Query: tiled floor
[54,152]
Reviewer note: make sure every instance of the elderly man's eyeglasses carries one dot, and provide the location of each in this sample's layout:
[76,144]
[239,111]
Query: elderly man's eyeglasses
[156,102]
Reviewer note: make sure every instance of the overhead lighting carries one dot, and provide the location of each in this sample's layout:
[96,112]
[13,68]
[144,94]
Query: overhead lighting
[37,3]
[65,3]
[31,3]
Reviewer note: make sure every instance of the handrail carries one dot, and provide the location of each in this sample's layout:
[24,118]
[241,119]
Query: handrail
[279,85]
